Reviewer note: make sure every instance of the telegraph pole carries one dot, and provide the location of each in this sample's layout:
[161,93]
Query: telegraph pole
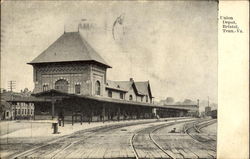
[12,85]
[208,101]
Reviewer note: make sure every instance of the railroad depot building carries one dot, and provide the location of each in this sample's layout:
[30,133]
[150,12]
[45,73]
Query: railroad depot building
[71,81]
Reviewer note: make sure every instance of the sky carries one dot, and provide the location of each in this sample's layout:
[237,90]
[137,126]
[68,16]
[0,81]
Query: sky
[173,44]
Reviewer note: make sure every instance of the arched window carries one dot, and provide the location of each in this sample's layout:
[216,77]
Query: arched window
[130,97]
[45,87]
[77,88]
[61,85]
[97,88]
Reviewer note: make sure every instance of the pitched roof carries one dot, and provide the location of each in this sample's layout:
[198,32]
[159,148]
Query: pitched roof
[5,105]
[124,84]
[17,97]
[142,87]
[115,86]
[69,47]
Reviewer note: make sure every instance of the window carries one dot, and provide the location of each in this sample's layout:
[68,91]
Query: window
[36,76]
[24,111]
[110,93]
[97,88]
[28,111]
[62,85]
[77,88]
[7,114]
[121,95]
[19,111]
[45,87]
[31,111]
[146,98]
[130,97]
[141,99]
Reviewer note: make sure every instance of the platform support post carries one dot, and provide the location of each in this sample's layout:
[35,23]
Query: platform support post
[118,117]
[53,108]
[103,113]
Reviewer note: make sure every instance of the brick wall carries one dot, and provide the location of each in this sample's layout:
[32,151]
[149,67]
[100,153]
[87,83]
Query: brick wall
[48,74]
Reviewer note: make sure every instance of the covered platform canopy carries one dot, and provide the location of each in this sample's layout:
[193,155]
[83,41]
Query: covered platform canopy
[52,93]
[106,108]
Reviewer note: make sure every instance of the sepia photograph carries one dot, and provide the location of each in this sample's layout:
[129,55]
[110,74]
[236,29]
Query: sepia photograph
[109,79]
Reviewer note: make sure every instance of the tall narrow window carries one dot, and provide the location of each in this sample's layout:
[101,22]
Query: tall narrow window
[110,93]
[121,95]
[35,75]
[45,87]
[141,98]
[146,98]
[77,88]
[97,88]
[130,97]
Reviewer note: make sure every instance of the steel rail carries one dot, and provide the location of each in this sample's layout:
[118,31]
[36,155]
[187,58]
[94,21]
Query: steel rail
[100,129]
[207,123]
[155,128]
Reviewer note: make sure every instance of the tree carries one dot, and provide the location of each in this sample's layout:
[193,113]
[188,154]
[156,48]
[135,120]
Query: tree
[178,103]
[187,101]
[26,90]
[169,100]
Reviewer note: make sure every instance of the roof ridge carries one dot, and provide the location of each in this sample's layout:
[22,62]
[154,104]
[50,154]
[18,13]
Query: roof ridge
[70,46]
[84,41]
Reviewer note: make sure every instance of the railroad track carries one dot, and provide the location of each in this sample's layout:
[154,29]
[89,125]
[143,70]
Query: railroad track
[198,127]
[194,131]
[150,148]
[68,141]
[188,126]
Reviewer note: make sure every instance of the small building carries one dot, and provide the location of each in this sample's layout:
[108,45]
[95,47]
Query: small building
[17,105]
[5,110]
[208,111]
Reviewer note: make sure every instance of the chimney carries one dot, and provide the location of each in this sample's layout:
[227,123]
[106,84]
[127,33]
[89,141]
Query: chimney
[131,80]
[86,27]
